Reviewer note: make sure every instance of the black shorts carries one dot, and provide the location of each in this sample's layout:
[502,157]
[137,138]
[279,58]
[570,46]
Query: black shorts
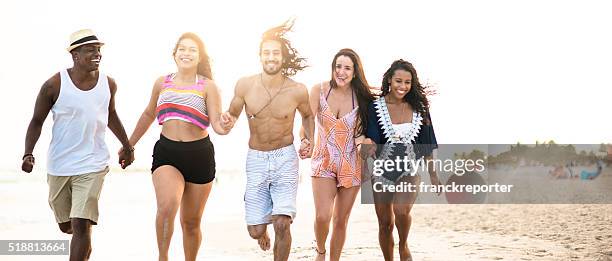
[194,159]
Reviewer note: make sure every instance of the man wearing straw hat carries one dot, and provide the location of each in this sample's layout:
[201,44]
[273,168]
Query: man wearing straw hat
[81,99]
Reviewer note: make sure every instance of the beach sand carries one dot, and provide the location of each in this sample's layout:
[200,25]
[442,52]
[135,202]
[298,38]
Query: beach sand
[439,232]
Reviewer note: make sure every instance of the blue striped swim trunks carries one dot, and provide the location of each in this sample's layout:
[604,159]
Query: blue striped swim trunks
[272,181]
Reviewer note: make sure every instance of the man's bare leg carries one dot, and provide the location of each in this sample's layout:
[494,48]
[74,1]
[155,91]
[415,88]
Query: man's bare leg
[260,233]
[80,246]
[282,239]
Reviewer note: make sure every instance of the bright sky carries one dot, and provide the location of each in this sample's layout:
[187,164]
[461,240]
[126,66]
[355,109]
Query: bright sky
[506,71]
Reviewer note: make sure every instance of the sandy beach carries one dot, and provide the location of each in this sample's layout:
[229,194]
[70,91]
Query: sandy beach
[439,231]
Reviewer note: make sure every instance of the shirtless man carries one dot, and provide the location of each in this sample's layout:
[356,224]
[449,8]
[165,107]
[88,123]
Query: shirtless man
[270,100]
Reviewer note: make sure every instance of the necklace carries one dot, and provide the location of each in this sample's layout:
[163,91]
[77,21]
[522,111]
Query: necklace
[271,98]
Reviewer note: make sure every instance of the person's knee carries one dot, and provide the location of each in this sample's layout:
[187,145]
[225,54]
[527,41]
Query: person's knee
[66,230]
[167,209]
[80,226]
[282,224]
[402,212]
[323,218]
[256,231]
[190,225]
[66,227]
[340,222]
[404,216]
[385,225]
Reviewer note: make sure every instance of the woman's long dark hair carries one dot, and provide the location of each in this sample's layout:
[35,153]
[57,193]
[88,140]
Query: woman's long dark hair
[360,87]
[204,62]
[417,96]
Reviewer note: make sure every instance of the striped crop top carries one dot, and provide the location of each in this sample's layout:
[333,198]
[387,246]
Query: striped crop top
[182,103]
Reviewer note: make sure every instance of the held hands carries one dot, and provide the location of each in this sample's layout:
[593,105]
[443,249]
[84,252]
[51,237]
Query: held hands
[126,156]
[305,149]
[367,151]
[227,121]
[28,163]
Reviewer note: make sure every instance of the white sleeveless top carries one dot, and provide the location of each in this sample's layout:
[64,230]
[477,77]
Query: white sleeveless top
[79,125]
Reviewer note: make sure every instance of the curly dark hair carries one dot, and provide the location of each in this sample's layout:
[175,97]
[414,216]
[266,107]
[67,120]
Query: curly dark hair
[292,63]
[204,68]
[360,87]
[417,96]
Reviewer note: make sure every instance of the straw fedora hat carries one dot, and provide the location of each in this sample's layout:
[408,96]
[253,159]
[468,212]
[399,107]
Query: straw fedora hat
[82,37]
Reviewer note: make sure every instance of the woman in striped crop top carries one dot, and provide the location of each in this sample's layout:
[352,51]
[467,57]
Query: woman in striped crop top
[185,103]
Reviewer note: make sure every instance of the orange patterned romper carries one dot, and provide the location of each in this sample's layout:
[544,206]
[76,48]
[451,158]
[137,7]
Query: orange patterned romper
[335,153]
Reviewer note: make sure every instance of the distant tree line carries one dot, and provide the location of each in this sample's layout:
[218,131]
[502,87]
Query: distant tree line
[546,154]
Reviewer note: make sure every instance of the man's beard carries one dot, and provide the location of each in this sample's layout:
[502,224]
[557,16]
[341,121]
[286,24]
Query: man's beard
[271,72]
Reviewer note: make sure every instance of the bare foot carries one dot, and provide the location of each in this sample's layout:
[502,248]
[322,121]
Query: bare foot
[264,242]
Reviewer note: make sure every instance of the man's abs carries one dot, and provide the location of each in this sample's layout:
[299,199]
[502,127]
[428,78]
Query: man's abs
[270,134]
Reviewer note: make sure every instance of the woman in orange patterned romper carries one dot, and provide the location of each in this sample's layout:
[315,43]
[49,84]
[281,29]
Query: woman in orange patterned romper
[341,106]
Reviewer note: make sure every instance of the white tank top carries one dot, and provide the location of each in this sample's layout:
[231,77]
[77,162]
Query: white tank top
[79,124]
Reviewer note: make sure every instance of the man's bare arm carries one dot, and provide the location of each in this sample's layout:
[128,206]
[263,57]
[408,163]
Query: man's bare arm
[305,109]
[44,102]
[42,107]
[237,103]
[307,130]
[114,124]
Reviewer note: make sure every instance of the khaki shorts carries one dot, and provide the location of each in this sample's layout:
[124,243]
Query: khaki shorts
[75,196]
